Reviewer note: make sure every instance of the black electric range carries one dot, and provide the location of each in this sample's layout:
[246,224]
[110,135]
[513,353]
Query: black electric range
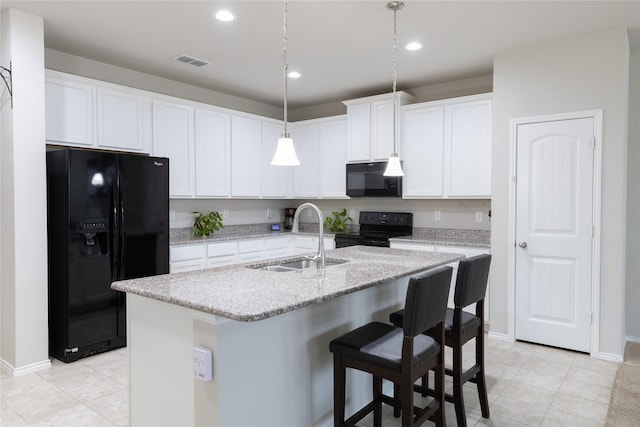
[376,228]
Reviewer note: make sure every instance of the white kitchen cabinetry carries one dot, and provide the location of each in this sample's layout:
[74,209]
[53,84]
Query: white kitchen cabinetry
[212,153]
[251,250]
[305,176]
[187,258]
[468,149]
[246,157]
[370,126]
[173,126]
[277,247]
[69,111]
[82,112]
[276,180]
[220,254]
[447,148]
[123,120]
[423,152]
[332,158]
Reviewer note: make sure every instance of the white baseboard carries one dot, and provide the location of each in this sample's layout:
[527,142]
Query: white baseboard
[500,336]
[609,357]
[23,370]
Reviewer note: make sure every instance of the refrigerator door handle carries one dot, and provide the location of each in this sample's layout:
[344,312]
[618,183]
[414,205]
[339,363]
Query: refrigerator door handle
[115,197]
[122,192]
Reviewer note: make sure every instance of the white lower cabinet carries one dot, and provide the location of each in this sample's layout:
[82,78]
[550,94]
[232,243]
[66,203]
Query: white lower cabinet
[187,258]
[277,247]
[468,251]
[221,254]
[251,250]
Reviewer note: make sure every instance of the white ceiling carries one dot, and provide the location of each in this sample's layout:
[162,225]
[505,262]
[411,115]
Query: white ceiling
[342,48]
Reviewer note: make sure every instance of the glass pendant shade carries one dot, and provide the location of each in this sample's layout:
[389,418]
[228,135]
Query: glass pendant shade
[285,153]
[393,166]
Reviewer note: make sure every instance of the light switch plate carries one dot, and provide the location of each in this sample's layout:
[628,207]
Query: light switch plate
[478,216]
[172,215]
[202,363]
[437,216]
[225,213]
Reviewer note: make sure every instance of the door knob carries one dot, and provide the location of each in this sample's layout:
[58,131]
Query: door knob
[523,244]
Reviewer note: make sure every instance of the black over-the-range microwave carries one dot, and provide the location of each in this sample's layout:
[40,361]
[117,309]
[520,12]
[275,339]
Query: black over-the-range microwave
[368,180]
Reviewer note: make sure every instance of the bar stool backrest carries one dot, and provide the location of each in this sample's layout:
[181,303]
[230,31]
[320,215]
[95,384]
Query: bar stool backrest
[471,282]
[426,302]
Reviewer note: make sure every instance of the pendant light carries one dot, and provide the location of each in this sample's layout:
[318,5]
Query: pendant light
[394,168]
[285,152]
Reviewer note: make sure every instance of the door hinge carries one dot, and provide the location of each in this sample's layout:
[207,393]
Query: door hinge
[515,179]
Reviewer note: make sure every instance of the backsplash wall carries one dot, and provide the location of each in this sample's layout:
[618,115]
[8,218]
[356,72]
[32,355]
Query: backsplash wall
[460,214]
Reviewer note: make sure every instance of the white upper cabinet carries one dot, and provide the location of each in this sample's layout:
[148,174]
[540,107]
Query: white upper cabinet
[332,156]
[423,150]
[447,148]
[123,119]
[468,149]
[370,126]
[173,125]
[275,179]
[246,157]
[69,110]
[212,153]
[82,112]
[305,176]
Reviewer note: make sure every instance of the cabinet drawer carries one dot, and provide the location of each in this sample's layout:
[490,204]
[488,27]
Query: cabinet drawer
[276,243]
[189,265]
[220,261]
[189,252]
[220,249]
[245,246]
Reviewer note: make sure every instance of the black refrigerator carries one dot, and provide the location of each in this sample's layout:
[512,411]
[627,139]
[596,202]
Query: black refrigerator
[108,220]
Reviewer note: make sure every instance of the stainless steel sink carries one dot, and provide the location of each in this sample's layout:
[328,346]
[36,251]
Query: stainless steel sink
[296,265]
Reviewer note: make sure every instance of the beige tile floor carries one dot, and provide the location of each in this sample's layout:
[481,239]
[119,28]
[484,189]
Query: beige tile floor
[527,384]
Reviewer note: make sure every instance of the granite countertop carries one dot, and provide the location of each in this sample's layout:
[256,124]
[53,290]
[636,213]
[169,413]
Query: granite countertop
[448,237]
[247,294]
[185,236]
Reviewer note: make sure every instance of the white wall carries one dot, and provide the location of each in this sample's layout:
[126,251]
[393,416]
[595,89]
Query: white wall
[23,198]
[454,213]
[581,73]
[633,202]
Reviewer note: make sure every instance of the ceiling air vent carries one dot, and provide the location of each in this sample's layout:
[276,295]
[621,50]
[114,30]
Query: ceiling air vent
[191,60]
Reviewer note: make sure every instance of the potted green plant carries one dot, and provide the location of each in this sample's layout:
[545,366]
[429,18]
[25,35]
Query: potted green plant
[338,222]
[205,224]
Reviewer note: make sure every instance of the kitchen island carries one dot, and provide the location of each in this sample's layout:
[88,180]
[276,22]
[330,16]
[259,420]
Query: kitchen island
[268,331]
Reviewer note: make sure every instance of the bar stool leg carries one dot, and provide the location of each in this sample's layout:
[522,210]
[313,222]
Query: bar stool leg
[457,386]
[377,398]
[338,391]
[480,379]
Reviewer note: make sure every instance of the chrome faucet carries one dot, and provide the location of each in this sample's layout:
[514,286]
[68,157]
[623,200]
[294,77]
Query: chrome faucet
[296,219]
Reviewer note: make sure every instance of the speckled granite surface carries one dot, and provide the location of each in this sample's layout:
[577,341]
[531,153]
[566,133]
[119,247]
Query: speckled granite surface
[247,294]
[447,236]
[185,236]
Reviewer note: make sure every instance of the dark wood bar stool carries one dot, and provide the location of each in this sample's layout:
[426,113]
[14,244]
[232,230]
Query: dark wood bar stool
[461,327]
[399,354]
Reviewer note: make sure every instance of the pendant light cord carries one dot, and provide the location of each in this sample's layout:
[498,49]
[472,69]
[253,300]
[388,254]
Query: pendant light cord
[286,66]
[395,77]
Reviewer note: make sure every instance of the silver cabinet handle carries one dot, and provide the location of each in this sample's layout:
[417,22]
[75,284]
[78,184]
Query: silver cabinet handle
[523,244]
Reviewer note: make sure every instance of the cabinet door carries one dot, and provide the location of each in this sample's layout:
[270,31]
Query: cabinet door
[468,149]
[359,128]
[275,179]
[173,138]
[332,173]
[305,176]
[212,153]
[382,130]
[69,112]
[124,121]
[423,152]
[246,157]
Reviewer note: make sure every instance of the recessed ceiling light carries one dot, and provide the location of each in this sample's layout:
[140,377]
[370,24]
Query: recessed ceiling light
[413,46]
[225,16]
[294,75]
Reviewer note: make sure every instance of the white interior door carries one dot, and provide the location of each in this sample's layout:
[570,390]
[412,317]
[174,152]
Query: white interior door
[554,232]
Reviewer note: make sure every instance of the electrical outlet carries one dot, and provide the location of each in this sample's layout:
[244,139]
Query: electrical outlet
[202,363]
[352,213]
[269,213]
[172,215]
[437,215]
[225,213]
[478,216]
